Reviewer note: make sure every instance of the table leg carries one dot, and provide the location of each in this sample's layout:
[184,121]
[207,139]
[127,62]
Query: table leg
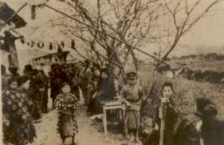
[124,121]
[120,115]
[105,121]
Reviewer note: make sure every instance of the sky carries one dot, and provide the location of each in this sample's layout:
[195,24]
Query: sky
[206,36]
[207,33]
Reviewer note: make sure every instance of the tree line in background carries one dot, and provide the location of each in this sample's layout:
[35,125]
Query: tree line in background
[209,56]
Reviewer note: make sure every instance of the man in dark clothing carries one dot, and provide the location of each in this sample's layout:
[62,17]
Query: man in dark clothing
[202,128]
[45,95]
[186,132]
[36,91]
[63,73]
[55,82]
[212,129]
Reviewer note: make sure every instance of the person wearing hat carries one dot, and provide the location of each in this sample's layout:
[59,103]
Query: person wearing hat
[132,95]
[212,129]
[202,127]
[28,69]
[14,70]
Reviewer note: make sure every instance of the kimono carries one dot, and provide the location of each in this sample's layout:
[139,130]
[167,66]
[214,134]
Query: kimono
[67,103]
[212,131]
[55,83]
[84,83]
[92,90]
[36,95]
[45,93]
[102,92]
[134,95]
[185,132]
[18,127]
[170,117]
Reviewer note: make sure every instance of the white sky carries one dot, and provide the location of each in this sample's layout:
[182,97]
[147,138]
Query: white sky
[205,36]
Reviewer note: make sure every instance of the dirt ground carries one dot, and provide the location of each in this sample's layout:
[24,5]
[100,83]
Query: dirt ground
[90,133]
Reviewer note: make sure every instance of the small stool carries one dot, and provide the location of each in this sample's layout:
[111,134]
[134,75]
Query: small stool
[114,105]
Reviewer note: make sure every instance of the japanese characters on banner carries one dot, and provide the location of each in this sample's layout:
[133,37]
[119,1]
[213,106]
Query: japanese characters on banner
[49,45]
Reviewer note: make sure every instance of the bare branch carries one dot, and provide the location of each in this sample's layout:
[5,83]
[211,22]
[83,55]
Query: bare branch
[173,14]
[183,28]
[199,17]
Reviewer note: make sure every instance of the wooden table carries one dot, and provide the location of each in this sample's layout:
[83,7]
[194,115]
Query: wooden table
[113,105]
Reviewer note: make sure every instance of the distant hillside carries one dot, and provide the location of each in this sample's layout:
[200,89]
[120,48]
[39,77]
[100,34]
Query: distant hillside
[208,57]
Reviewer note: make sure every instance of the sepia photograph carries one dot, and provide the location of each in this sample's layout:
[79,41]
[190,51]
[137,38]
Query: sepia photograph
[112,72]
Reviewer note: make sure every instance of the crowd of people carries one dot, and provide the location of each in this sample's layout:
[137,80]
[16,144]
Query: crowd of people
[25,98]
[22,103]
[84,81]
[169,127]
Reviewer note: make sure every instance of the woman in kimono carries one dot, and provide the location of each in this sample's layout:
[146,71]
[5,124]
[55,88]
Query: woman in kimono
[166,115]
[67,104]
[36,93]
[18,127]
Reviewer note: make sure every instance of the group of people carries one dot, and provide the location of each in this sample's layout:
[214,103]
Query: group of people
[74,84]
[69,84]
[168,126]
[84,78]
[25,98]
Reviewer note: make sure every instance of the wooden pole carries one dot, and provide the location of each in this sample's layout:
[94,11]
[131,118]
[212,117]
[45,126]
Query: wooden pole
[162,123]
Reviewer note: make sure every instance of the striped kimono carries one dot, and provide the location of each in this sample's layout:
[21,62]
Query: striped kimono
[67,103]
[134,96]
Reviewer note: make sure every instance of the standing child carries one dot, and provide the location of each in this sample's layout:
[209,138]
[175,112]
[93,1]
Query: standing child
[165,117]
[132,94]
[67,104]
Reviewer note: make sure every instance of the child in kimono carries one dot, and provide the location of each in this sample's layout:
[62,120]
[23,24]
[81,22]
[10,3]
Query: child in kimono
[67,104]
[132,95]
[168,113]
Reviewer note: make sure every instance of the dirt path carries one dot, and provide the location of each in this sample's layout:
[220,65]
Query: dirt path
[88,134]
